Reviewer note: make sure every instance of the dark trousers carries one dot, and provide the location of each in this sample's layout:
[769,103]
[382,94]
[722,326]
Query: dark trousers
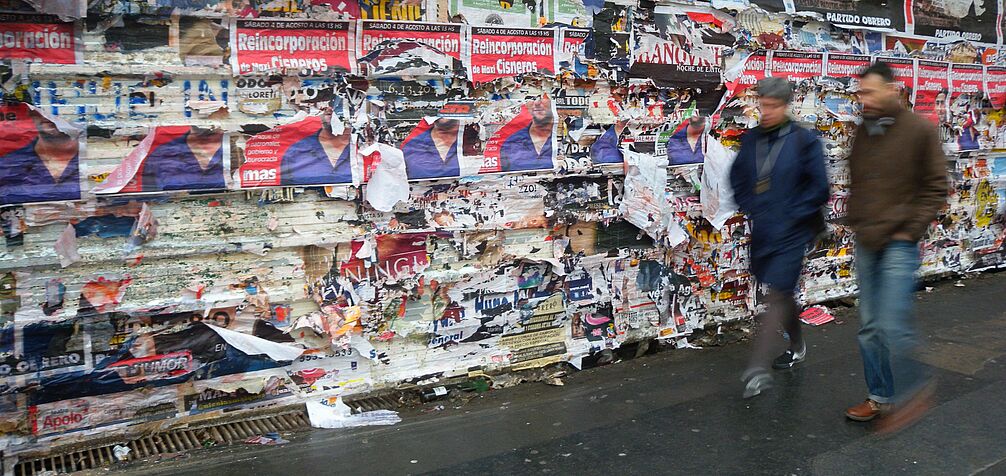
[769,343]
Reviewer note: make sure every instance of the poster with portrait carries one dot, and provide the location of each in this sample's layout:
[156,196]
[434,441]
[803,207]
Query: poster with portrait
[431,150]
[316,150]
[172,158]
[39,156]
[967,94]
[932,90]
[526,142]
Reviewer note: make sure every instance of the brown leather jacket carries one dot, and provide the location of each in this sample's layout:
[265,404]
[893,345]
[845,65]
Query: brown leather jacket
[898,180]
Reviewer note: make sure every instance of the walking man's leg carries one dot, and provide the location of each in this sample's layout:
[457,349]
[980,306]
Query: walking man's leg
[872,342]
[896,305]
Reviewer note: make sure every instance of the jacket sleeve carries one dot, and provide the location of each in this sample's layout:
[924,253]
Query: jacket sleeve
[740,181]
[932,186]
[816,188]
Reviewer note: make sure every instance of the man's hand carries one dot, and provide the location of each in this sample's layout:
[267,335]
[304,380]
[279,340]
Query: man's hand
[902,236]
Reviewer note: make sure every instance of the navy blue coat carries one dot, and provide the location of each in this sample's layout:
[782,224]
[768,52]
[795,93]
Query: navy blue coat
[784,218]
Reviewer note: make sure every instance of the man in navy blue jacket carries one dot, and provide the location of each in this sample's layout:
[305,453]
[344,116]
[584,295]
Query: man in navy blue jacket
[780,183]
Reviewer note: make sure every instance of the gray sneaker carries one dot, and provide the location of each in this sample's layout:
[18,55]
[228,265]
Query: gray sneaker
[757,382]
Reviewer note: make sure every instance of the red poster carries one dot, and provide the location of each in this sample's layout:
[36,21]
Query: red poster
[572,44]
[904,71]
[172,158]
[754,71]
[307,152]
[279,46]
[933,85]
[437,46]
[995,85]
[967,79]
[39,156]
[38,38]
[846,66]
[505,52]
[397,256]
[525,142]
[796,65]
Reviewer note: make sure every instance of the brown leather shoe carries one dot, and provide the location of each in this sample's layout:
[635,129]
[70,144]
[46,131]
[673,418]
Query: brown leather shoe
[907,414]
[865,411]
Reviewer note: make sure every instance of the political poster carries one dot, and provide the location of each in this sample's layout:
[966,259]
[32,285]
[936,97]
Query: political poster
[972,20]
[172,158]
[572,47]
[845,66]
[39,156]
[292,46]
[507,52]
[796,66]
[316,150]
[873,14]
[39,38]
[412,48]
[526,142]
[431,149]
[967,84]
[995,85]
[932,90]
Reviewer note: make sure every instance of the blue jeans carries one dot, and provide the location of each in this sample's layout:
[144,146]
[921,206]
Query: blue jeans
[887,336]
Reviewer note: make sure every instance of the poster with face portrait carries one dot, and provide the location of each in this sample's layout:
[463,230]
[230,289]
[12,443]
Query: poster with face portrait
[431,149]
[317,150]
[39,156]
[172,158]
[526,142]
[965,105]
[932,90]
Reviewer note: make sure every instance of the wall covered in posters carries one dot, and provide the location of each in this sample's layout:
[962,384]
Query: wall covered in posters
[233,204]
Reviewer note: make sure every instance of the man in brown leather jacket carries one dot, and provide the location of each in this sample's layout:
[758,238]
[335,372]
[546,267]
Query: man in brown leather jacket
[898,185]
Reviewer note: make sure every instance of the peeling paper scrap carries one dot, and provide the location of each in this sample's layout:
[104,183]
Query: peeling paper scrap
[66,247]
[333,413]
[390,182]
[252,345]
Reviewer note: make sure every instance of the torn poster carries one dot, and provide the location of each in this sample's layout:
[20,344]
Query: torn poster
[526,142]
[972,20]
[508,52]
[172,158]
[496,13]
[316,150]
[995,85]
[39,156]
[431,149]
[412,49]
[202,41]
[41,38]
[933,90]
[967,95]
[292,46]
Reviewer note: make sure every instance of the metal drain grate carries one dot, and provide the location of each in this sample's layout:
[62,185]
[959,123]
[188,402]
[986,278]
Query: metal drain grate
[161,443]
[380,402]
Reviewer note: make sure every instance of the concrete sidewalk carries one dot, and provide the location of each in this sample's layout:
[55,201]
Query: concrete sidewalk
[680,412]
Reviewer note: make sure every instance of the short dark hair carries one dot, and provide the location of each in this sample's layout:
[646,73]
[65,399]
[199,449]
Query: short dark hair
[775,88]
[881,69]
